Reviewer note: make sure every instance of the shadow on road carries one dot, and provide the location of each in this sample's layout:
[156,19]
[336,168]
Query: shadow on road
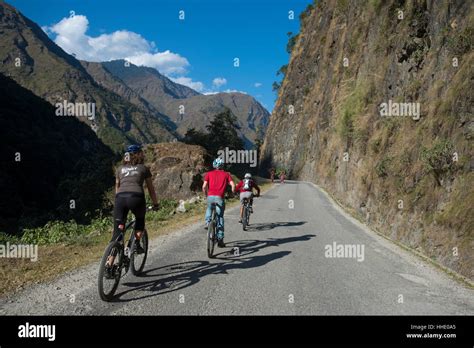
[178,276]
[246,247]
[272,225]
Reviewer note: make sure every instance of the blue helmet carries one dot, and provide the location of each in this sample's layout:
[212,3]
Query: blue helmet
[134,148]
[218,163]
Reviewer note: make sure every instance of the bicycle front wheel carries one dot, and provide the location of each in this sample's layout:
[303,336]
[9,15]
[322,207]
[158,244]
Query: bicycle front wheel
[109,275]
[211,235]
[138,257]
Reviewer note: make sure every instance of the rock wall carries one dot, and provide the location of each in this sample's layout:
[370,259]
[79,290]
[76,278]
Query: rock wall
[410,178]
[177,169]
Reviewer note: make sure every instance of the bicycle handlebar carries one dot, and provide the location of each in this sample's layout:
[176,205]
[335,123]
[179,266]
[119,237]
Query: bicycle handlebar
[151,207]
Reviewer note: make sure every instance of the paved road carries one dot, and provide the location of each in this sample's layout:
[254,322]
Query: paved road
[281,268]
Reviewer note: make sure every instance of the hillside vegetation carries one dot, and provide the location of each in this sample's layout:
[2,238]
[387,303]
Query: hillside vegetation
[52,168]
[410,178]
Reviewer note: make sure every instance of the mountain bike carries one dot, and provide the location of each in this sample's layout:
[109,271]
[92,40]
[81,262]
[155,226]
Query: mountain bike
[212,228]
[246,213]
[212,231]
[125,257]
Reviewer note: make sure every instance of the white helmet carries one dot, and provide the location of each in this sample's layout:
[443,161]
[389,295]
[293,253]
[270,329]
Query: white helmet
[248,176]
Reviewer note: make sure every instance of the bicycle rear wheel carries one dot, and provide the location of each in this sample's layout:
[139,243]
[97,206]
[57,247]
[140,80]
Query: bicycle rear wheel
[245,220]
[137,261]
[211,235]
[109,277]
[248,216]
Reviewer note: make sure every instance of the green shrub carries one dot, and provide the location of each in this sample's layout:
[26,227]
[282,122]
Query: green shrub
[375,4]
[5,237]
[353,105]
[292,39]
[167,206]
[375,144]
[307,11]
[53,232]
[439,157]
[346,125]
[461,43]
[381,168]
[276,86]
[282,70]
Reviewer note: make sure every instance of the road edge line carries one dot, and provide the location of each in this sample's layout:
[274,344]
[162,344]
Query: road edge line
[346,211]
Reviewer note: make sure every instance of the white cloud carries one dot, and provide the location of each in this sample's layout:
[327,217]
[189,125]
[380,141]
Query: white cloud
[257,84]
[196,85]
[46,29]
[166,62]
[234,91]
[219,81]
[226,91]
[122,44]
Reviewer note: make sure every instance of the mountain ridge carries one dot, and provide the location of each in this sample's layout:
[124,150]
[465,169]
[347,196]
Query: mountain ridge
[52,74]
[188,108]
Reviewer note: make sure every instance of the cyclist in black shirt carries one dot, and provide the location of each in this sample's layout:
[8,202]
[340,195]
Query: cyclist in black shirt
[130,195]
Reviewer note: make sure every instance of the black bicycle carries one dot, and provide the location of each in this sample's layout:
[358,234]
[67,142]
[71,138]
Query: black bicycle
[212,231]
[125,256]
[246,213]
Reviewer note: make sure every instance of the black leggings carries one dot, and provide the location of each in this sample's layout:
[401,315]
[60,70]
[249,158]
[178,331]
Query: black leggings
[124,202]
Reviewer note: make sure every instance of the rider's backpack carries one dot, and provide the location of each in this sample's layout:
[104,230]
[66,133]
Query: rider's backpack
[247,184]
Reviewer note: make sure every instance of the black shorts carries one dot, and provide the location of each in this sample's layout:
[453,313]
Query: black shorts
[125,202]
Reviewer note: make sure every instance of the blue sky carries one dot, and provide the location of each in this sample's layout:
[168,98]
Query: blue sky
[196,51]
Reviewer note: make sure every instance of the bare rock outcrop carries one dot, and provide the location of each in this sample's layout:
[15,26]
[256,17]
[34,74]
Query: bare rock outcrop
[177,169]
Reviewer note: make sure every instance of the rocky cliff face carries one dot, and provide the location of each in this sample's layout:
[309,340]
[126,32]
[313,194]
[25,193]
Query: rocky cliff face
[177,169]
[355,70]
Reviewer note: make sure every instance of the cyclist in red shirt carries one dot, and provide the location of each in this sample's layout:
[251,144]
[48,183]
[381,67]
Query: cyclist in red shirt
[245,187]
[215,183]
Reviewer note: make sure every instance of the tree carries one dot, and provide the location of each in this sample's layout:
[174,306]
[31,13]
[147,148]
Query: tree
[222,133]
[291,42]
[195,137]
[276,86]
[282,70]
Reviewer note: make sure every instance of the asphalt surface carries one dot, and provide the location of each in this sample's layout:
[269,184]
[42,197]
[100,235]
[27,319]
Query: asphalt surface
[279,266]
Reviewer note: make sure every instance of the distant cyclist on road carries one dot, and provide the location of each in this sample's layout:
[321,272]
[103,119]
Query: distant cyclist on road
[282,177]
[245,187]
[129,193]
[215,183]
